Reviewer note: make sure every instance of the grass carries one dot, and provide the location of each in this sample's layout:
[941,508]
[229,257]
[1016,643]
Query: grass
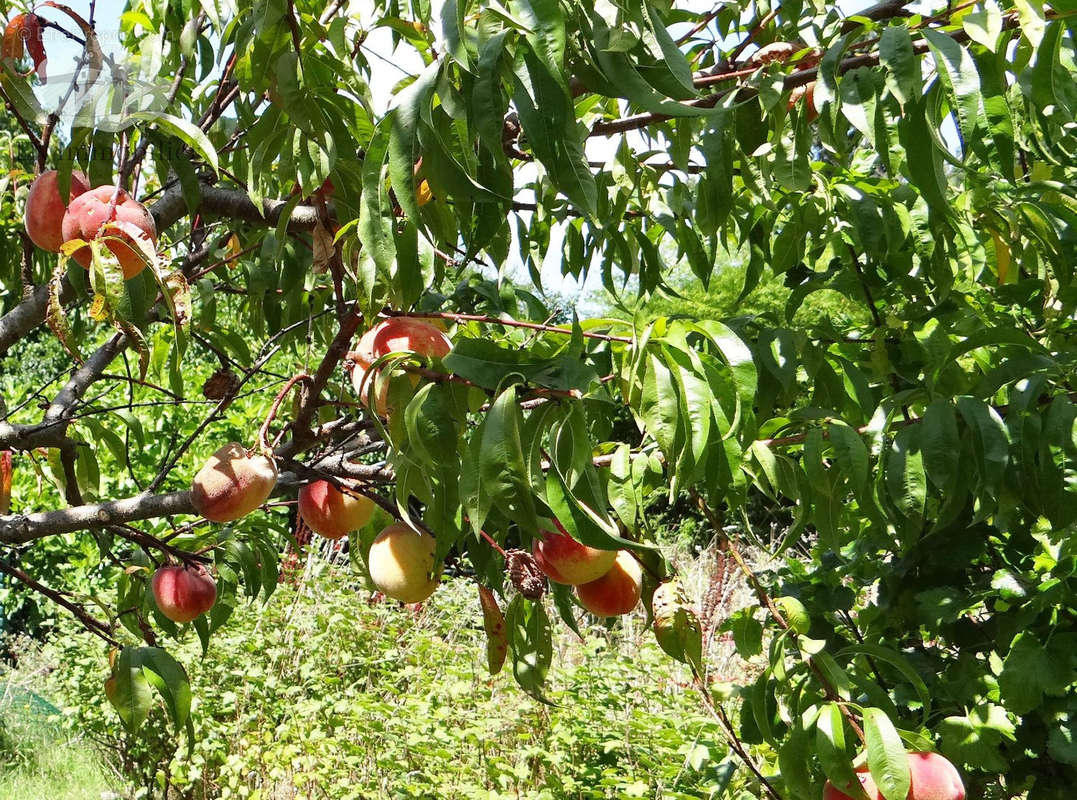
[38,761]
[324,693]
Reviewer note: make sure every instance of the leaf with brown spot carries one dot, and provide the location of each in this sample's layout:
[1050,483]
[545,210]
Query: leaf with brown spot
[676,626]
[497,638]
[54,312]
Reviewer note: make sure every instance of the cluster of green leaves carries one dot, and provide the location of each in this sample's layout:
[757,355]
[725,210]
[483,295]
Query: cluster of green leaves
[319,689]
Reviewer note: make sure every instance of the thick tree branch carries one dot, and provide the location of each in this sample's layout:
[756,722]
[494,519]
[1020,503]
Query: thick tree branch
[63,405]
[23,528]
[28,314]
[17,529]
[233,204]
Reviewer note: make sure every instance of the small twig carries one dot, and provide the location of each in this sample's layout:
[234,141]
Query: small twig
[767,602]
[731,737]
[92,624]
[492,543]
[263,432]
[755,31]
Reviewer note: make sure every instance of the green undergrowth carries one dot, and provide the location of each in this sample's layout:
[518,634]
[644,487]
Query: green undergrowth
[38,759]
[323,693]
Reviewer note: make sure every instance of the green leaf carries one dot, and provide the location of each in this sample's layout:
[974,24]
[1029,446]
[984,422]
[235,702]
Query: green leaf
[621,72]
[961,79]
[984,27]
[671,56]
[896,54]
[991,443]
[905,476]
[503,477]
[887,760]
[169,678]
[404,138]
[128,690]
[975,738]
[586,523]
[747,632]
[796,615]
[898,661]
[562,595]
[183,130]
[941,445]
[1032,669]
[831,746]
[431,425]
[659,405]
[544,31]
[530,643]
[489,365]
[549,120]
[376,209]
[852,458]
[923,160]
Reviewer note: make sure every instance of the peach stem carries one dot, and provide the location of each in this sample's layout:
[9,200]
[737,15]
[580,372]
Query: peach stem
[493,544]
[263,432]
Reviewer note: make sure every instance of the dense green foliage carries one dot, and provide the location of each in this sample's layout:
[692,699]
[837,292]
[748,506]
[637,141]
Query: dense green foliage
[897,397]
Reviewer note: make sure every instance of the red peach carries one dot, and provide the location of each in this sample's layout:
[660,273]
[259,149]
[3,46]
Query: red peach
[232,484]
[615,593]
[394,335]
[932,777]
[183,593]
[90,211]
[45,208]
[564,560]
[332,513]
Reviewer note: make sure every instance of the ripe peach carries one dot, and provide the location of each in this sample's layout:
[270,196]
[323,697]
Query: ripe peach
[401,563]
[932,778]
[45,208]
[616,592]
[183,593]
[231,484]
[807,92]
[91,210]
[394,335]
[332,513]
[564,560]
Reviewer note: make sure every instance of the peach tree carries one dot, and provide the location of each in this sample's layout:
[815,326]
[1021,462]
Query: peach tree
[318,186]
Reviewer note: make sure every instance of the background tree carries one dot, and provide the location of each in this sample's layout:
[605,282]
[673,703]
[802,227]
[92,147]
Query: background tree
[918,163]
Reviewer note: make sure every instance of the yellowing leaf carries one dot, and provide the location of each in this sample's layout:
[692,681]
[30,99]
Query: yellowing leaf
[1002,258]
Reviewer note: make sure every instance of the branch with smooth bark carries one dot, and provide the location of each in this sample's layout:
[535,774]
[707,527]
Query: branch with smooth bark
[18,529]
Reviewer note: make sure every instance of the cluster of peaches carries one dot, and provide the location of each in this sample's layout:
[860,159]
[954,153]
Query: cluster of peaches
[89,213]
[235,481]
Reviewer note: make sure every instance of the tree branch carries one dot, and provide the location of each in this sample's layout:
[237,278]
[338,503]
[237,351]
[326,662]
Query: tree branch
[91,623]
